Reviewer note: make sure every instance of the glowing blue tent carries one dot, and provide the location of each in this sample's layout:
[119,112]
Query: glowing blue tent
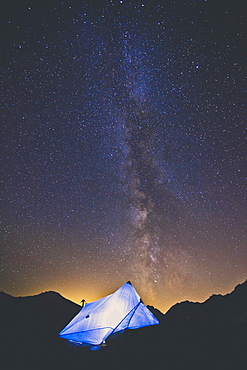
[116,312]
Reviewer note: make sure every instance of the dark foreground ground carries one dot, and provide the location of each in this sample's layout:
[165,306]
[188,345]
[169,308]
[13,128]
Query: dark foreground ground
[211,335]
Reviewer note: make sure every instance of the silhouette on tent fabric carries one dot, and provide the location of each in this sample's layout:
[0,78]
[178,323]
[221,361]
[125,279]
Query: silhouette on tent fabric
[116,312]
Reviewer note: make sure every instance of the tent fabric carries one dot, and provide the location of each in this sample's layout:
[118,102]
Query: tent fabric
[115,312]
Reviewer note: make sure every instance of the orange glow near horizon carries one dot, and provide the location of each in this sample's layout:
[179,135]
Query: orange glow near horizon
[92,293]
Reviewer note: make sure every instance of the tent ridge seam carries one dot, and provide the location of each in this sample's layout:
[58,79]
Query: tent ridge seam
[133,309]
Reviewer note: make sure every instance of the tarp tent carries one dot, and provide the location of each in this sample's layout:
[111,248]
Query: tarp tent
[116,312]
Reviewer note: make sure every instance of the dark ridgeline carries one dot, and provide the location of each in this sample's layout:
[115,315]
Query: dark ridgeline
[29,327]
[209,335]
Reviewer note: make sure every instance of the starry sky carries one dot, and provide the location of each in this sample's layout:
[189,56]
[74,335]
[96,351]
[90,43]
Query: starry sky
[123,148]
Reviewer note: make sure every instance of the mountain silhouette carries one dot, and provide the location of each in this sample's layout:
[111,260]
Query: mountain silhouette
[215,308]
[208,335]
[29,327]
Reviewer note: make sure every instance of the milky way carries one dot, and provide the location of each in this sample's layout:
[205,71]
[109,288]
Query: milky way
[152,205]
[123,131]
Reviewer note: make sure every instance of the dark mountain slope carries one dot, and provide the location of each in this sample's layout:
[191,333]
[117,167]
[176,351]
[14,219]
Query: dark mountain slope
[30,326]
[215,308]
[48,311]
[212,334]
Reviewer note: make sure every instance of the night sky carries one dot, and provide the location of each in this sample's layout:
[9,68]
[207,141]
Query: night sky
[123,146]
